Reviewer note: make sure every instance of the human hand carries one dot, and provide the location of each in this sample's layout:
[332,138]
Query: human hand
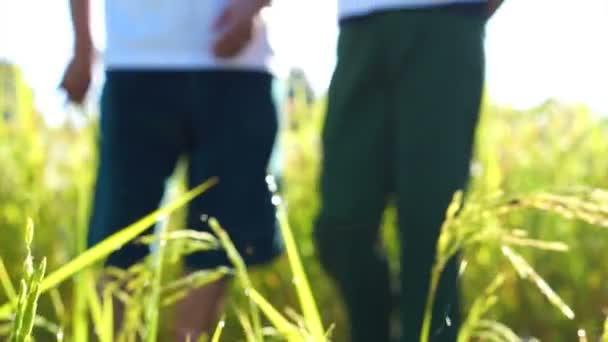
[77,76]
[235,26]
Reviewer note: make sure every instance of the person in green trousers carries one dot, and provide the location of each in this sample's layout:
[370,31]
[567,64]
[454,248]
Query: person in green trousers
[403,107]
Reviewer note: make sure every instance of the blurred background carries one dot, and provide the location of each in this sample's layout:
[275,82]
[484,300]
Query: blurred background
[543,128]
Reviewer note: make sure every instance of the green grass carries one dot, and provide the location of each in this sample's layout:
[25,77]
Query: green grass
[531,228]
[27,303]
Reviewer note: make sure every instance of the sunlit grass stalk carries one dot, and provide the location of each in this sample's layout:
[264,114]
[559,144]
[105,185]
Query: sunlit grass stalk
[218,330]
[310,311]
[107,318]
[27,305]
[499,331]
[428,309]
[41,323]
[95,307]
[58,305]
[241,273]
[79,309]
[445,250]
[284,327]
[79,292]
[555,246]
[479,308]
[469,227]
[52,328]
[153,304]
[178,289]
[114,242]
[246,325]
[7,284]
[527,272]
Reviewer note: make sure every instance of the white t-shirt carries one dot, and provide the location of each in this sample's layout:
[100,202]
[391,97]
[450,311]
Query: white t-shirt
[351,8]
[174,34]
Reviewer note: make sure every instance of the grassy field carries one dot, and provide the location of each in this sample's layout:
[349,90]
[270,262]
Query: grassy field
[532,228]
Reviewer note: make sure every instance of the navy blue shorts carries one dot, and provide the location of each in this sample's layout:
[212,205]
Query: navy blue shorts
[224,122]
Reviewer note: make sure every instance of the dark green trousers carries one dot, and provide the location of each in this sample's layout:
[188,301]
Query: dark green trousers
[403,107]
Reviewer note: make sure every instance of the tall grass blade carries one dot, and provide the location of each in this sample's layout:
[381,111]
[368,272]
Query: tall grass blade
[527,272]
[7,284]
[94,306]
[80,329]
[500,329]
[554,246]
[480,307]
[241,273]
[283,326]
[314,326]
[489,336]
[183,242]
[428,311]
[107,321]
[39,322]
[178,289]
[446,247]
[153,304]
[52,328]
[28,304]
[58,305]
[106,247]
[295,317]
[180,235]
[18,320]
[246,325]
[218,330]
[495,331]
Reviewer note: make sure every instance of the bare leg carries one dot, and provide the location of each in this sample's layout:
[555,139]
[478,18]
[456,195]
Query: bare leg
[199,311]
[196,314]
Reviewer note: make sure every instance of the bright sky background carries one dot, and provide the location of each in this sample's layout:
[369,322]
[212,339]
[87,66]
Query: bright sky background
[535,48]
